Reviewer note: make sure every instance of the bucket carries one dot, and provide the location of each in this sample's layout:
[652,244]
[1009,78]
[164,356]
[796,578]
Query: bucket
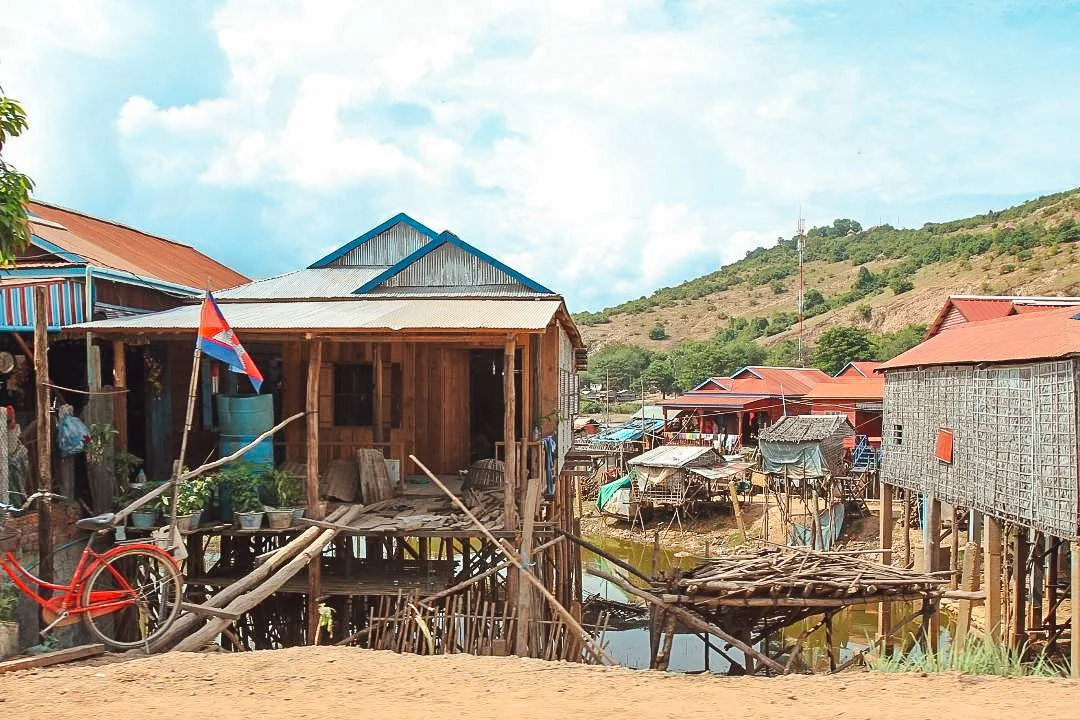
[261,456]
[245,414]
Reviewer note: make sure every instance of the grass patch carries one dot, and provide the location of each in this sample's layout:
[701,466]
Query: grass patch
[979,656]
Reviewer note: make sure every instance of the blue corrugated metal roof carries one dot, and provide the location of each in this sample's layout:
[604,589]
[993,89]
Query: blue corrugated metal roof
[631,431]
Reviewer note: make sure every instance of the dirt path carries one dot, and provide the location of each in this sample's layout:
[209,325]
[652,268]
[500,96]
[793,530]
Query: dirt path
[343,683]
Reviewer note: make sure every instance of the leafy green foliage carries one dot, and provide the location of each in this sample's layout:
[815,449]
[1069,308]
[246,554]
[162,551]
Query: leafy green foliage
[9,598]
[617,366]
[285,489]
[243,484]
[660,376]
[889,345]
[839,346]
[194,495]
[658,332]
[980,655]
[15,188]
[591,407]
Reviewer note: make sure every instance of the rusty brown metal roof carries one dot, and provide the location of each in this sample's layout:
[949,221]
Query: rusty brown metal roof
[112,245]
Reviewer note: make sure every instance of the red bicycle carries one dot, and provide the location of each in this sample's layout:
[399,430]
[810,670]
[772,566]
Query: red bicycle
[127,596]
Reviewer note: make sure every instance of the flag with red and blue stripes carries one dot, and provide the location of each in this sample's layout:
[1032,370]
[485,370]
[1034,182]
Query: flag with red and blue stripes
[218,340]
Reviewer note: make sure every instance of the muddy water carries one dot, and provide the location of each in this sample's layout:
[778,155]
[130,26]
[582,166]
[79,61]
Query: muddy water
[854,629]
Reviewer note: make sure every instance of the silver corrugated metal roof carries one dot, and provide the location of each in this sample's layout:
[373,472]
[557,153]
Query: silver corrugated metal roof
[675,456]
[362,313]
[515,290]
[331,282]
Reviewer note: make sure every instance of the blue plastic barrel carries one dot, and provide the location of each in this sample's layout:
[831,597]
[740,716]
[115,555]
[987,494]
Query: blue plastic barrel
[261,456]
[245,414]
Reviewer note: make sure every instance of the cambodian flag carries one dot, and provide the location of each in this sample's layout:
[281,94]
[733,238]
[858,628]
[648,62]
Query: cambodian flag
[218,340]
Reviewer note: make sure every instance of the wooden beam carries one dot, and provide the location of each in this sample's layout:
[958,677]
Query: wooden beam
[52,658]
[992,575]
[525,603]
[885,533]
[44,435]
[1018,634]
[932,555]
[969,582]
[311,405]
[120,401]
[509,436]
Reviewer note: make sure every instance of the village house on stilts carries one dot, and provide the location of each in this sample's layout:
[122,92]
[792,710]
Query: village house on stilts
[985,416]
[403,343]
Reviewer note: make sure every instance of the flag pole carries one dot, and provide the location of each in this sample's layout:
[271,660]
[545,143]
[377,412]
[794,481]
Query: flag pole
[188,420]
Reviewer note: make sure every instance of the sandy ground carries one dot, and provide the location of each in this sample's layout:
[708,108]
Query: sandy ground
[346,683]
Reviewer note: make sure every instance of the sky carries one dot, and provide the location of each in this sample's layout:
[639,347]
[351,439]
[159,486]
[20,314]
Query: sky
[603,148]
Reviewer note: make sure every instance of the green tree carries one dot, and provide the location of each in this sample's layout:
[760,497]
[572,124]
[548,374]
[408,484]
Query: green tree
[889,345]
[660,375]
[900,285]
[617,366]
[839,346]
[658,332]
[783,354]
[15,187]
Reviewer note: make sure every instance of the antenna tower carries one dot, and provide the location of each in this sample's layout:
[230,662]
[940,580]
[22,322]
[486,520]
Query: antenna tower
[800,239]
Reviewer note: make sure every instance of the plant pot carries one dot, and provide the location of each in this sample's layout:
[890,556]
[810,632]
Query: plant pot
[297,513]
[250,520]
[183,523]
[196,518]
[279,519]
[144,518]
[9,639]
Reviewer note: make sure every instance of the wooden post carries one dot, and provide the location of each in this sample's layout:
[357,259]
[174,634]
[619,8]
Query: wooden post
[120,402]
[954,549]
[1018,634]
[1038,565]
[377,405]
[907,528]
[1051,590]
[969,582]
[992,575]
[525,591]
[932,554]
[44,434]
[885,530]
[1074,584]
[509,435]
[733,492]
[315,347]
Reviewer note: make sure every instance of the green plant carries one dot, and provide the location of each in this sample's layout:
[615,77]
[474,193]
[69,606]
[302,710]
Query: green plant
[15,187]
[134,491]
[243,484]
[658,332]
[1007,268]
[9,597]
[101,438]
[978,656]
[125,465]
[194,495]
[286,489]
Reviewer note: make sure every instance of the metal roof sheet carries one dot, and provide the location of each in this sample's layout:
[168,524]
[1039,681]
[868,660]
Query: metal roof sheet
[327,282]
[361,314]
[851,388]
[720,400]
[124,248]
[859,368]
[1016,338]
[673,456]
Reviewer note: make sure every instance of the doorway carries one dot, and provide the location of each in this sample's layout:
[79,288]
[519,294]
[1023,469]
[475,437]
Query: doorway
[486,405]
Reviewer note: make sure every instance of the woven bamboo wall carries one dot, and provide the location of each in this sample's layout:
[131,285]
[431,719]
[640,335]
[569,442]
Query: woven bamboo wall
[1015,439]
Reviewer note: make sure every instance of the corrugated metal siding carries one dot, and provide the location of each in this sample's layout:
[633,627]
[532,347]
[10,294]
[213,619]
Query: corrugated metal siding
[953,318]
[66,304]
[387,248]
[332,282]
[450,266]
[358,314]
[515,290]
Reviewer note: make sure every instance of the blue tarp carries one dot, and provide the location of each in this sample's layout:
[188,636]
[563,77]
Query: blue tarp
[608,490]
[831,521]
[631,431]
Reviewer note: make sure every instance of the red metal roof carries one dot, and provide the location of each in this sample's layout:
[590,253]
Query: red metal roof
[960,309]
[791,381]
[975,310]
[858,368]
[1054,333]
[852,388]
[119,247]
[717,400]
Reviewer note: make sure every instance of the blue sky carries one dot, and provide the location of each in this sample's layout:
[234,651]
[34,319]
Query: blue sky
[604,148]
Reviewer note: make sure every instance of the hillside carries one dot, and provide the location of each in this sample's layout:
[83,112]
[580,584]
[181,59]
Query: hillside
[882,279]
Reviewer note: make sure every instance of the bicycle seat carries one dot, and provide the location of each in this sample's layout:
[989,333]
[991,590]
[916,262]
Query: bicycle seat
[98,522]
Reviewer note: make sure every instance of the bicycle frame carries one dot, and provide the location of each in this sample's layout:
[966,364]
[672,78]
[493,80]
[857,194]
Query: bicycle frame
[69,600]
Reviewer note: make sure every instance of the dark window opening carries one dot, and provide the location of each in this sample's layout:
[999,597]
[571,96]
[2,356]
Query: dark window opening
[397,394]
[354,387]
[898,434]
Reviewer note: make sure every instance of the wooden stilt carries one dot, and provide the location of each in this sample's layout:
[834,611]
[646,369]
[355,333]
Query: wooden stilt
[44,435]
[954,549]
[510,479]
[1051,592]
[969,581]
[120,403]
[992,575]
[1074,585]
[1038,565]
[1018,634]
[885,530]
[907,528]
[315,348]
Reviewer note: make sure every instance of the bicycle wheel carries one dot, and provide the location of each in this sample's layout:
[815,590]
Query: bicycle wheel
[136,594]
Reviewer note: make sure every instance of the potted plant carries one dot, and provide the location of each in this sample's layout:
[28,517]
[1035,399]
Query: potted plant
[192,498]
[243,485]
[9,630]
[145,516]
[286,491]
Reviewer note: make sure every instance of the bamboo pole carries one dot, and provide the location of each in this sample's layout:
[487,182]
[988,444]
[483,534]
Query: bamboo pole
[691,620]
[510,478]
[311,405]
[263,590]
[598,652]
